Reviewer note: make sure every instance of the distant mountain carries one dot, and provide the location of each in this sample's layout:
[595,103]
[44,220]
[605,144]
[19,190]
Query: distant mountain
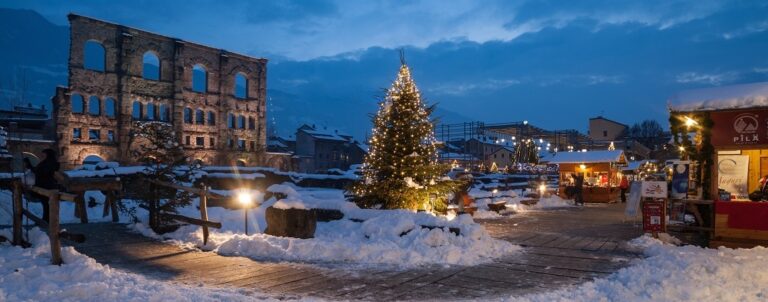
[33,57]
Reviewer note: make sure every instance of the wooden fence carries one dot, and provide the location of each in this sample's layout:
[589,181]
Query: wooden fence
[204,194]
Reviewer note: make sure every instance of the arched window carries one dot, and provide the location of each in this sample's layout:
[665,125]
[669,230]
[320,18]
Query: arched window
[78,104]
[151,70]
[93,56]
[199,78]
[151,112]
[188,115]
[165,113]
[109,107]
[251,123]
[211,118]
[200,117]
[241,122]
[241,86]
[94,105]
[92,160]
[137,113]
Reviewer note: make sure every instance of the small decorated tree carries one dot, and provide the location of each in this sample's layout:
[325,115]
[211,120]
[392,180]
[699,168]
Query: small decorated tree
[155,144]
[401,169]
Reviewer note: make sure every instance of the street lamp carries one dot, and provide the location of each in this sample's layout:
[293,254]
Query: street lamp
[245,199]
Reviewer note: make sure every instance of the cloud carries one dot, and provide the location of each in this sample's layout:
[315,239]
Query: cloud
[716,79]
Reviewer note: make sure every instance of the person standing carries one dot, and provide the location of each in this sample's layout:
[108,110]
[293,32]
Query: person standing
[44,176]
[624,185]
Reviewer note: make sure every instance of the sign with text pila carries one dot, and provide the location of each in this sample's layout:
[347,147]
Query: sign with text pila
[740,127]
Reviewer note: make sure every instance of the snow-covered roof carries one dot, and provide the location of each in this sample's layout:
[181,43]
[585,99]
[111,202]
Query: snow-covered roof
[610,156]
[634,165]
[327,134]
[457,156]
[725,97]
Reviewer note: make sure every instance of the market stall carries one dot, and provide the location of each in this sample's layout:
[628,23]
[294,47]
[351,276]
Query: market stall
[600,169]
[725,131]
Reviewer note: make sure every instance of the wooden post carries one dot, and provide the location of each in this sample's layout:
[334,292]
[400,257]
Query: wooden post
[204,212]
[17,213]
[53,229]
[81,209]
[113,205]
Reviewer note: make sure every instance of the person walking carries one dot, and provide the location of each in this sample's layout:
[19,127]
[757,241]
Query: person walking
[624,186]
[44,176]
[578,183]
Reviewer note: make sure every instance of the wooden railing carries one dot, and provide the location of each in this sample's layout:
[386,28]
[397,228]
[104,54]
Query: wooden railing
[52,225]
[204,194]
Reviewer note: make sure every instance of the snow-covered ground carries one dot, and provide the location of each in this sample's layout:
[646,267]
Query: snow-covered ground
[67,209]
[513,201]
[27,275]
[672,273]
[384,237]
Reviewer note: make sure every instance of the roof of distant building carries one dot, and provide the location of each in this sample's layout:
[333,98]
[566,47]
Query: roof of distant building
[610,156]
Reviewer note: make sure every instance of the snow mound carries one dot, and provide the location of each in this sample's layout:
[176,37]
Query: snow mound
[672,273]
[364,237]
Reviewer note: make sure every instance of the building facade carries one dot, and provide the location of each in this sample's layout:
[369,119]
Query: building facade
[118,76]
[318,150]
[603,129]
[28,131]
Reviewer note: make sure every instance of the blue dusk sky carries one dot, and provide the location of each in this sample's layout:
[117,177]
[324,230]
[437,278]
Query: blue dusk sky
[554,63]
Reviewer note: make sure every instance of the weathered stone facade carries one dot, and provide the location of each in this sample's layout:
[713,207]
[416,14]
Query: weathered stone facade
[123,84]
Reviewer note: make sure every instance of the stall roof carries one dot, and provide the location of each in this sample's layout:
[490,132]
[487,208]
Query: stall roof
[610,156]
[718,98]
[634,165]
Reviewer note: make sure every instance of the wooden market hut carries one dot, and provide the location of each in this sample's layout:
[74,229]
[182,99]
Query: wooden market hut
[601,171]
[727,138]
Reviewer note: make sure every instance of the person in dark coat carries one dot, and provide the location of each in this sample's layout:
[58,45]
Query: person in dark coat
[578,183]
[44,176]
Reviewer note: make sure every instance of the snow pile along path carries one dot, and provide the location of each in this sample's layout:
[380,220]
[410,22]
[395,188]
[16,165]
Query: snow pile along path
[384,237]
[27,275]
[672,273]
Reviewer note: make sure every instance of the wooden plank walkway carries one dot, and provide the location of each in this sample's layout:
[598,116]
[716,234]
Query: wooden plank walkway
[553,258]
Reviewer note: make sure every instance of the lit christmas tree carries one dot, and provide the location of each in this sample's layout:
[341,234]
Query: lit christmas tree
[401,169]
[527,152]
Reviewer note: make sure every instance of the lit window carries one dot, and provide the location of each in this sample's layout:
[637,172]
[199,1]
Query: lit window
[151,69]
[199,78]
[78,104]
[241,86]
[109,107]
[94,56]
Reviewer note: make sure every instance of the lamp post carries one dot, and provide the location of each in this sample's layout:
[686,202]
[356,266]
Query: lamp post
[245,199]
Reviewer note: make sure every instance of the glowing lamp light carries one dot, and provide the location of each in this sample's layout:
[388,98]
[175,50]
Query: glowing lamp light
[583,166]
[542,189]
[244,197]
[689,122]
[682,148]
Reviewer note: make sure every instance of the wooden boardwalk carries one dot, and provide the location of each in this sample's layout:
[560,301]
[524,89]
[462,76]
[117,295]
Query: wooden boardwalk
[554,257]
